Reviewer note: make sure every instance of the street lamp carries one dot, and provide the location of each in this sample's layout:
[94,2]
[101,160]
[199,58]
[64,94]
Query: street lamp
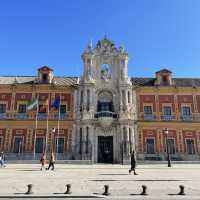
[167,147]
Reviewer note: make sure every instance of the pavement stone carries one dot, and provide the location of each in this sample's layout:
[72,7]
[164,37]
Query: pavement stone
[89,180]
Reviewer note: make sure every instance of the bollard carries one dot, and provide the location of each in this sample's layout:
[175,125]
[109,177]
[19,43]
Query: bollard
[30,189]
[181,190]
[144,190]
[106,188]
[68,191]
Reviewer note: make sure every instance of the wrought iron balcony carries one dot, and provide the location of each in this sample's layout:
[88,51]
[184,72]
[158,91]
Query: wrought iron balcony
[168,117]
[42,116]
[3,116]
[149,117]
[187,117]
[21,116]
[63,116]
[105,114]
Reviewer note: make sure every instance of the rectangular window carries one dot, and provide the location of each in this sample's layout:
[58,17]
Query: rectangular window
[148,110]
[2,108]
[186,111]
[42,108]
[171,146]
[150,146]
[60,143]
[39,145]
[190,146]
[17,147]
[167,110]
[22,108]
[62,109]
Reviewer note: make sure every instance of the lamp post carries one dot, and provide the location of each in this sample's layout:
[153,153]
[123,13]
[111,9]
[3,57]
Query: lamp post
[167,147]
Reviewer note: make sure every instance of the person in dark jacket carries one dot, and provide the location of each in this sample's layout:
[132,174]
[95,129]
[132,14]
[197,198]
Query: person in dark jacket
[51,161]
[133,163]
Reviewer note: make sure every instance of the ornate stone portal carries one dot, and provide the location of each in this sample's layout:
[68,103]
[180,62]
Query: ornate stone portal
[104,105]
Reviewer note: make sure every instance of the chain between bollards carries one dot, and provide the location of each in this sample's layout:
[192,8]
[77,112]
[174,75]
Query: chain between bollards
[30,189]
[68,191]
[106,190]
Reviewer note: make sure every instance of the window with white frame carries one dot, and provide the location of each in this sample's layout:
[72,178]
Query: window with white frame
[190,146]
[2,108]
[167,110]
[22,108]
[63,109]
[148,110]
[186,111]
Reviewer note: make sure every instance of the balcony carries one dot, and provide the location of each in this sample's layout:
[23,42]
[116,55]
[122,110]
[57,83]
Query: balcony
[42,116]
[3,116]
[149,117]
[21,116]
[106,114]
[186,117]
[168,117]
[105,118]
[63,116]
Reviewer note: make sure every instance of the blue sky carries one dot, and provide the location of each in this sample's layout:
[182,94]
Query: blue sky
[156,33]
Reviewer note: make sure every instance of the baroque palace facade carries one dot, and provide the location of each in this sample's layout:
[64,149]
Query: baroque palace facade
[102,115]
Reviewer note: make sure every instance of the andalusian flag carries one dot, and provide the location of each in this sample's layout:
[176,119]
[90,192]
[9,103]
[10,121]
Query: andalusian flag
[33,104]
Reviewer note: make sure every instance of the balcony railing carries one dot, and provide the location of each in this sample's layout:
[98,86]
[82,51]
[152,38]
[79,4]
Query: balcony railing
[42,116]
[21,116]
[186,117]
[149,117]
[168,117]
[63,116]
[3,116]
[105,114]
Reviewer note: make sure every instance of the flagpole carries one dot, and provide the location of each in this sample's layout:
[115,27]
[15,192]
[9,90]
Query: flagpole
[47,128]
[36,126]
[58,129]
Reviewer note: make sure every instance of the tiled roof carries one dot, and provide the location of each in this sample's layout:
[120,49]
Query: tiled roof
[66,81]
[179,82]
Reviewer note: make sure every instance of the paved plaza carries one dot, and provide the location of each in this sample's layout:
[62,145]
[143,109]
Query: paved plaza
[89,180]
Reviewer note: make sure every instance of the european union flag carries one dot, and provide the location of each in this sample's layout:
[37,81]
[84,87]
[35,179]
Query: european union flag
[56,103]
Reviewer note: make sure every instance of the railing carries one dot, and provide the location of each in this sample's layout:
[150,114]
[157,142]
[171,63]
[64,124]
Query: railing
[168,117]
[42,116]
[149,117]
[3,116]
[105,114]
[186,117]
[21,116]
[63,116]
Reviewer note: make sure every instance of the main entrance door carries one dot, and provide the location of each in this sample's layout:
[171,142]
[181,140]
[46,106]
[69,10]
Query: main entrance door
[105,149]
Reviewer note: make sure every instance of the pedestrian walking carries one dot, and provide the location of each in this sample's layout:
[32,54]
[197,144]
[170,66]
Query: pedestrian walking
[2,159]
[42,161]
[133,163]
[51,161]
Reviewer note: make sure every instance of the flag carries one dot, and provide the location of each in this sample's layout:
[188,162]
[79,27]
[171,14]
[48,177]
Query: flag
[56,103]
[32,105]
